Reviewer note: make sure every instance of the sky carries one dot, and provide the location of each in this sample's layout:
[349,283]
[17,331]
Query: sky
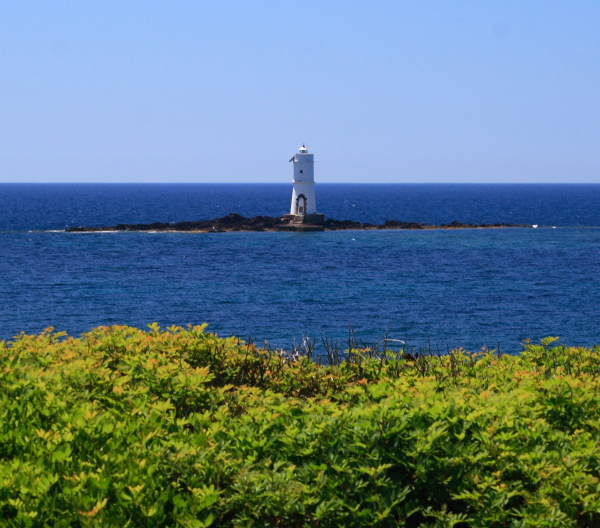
[227,91]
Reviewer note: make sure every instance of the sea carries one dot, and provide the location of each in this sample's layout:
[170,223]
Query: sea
[438,288]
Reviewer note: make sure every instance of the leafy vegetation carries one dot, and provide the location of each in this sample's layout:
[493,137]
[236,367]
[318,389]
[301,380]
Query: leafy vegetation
[179,427]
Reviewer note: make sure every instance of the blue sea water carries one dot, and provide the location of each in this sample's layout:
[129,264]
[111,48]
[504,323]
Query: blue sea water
[453,287]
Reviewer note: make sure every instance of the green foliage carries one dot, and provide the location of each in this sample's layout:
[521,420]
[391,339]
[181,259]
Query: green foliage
[182,428]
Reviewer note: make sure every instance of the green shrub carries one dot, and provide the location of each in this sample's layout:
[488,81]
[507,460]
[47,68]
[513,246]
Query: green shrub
[180,427]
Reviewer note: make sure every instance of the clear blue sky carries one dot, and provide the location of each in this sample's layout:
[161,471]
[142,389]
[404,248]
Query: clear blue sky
[226,91]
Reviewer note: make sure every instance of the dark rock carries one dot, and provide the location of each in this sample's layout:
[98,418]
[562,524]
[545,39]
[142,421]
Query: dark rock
[236,222]
[396,224]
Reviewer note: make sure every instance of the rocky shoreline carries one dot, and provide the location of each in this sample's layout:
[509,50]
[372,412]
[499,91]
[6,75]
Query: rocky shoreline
[236,222]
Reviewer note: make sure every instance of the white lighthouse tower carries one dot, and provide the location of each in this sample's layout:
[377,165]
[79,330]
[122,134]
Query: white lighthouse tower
[304,202]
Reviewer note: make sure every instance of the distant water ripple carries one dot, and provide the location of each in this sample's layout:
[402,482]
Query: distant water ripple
[459,288]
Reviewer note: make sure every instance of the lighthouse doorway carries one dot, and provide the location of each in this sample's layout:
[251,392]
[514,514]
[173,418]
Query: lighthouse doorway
[301,204]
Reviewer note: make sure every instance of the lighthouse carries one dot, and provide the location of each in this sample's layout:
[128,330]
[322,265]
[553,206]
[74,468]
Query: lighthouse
[304,203]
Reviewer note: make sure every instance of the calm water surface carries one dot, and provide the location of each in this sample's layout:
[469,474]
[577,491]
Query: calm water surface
[459,288]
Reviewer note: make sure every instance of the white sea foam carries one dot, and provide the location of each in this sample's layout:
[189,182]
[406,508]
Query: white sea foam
[94,232]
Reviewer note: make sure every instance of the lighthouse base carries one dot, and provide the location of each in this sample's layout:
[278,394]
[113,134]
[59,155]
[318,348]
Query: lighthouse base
[316,219]
[302,228]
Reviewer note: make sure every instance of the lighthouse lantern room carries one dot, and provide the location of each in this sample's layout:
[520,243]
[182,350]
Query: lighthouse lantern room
[304,204]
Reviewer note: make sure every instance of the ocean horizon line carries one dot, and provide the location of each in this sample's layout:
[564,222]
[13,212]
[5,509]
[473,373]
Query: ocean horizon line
[341,184]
